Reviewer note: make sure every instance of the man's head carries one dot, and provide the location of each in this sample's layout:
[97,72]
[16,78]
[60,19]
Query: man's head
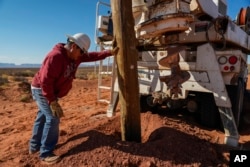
[78,44]
[81,40]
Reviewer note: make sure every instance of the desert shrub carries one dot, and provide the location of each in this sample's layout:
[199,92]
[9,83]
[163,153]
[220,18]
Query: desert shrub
[25,98]
[24,73]
[25,86]
[83,72]
[3,80]
[20,79]
[82,76]
[92,75]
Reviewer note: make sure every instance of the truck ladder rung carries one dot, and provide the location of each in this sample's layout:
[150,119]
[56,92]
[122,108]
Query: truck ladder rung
[105,87]
[106,73]
[104,100]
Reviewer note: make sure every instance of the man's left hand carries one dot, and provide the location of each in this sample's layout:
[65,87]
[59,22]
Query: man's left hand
[114,51]
[56,109]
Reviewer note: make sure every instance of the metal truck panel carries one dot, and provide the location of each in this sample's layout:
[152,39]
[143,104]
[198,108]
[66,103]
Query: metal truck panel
[213,8]
[236,35]
[153,28]
[198,33]
[199,81]
[201,7]
[168,7]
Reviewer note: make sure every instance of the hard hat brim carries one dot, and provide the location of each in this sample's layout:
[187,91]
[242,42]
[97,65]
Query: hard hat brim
[75,41]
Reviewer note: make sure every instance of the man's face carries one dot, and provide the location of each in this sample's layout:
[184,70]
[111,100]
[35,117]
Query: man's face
[76,52]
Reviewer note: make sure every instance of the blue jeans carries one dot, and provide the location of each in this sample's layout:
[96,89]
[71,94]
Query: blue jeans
[46,126]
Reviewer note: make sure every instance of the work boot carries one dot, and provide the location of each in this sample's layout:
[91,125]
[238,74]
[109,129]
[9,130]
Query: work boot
[51,159]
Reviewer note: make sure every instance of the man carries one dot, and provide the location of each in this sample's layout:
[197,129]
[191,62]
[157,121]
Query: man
[53,81]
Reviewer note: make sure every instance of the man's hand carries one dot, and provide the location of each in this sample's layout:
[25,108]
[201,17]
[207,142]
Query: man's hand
[56,109]
[114,51]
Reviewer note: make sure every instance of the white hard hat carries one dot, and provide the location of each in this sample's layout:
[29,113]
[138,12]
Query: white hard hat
[82,40]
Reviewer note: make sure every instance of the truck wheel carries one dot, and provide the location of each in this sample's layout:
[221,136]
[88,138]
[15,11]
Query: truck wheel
[146,104]
[208,111]
[236,94]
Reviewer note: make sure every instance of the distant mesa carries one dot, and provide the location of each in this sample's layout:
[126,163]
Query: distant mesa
[12,65]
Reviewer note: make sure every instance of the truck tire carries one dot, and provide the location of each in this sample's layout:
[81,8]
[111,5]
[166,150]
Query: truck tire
[236,94]
[208,111]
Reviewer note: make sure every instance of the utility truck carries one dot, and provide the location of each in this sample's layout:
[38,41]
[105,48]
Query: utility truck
[192,55]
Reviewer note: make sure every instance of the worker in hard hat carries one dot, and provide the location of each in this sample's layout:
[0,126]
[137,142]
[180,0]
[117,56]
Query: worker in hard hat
[53,81]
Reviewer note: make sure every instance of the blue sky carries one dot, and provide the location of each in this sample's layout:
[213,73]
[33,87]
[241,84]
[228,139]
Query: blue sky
[30,28]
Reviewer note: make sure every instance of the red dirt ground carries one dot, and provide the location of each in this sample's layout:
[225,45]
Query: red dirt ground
[88,138]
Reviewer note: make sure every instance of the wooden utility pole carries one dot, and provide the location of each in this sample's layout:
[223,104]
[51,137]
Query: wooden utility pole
[123,23]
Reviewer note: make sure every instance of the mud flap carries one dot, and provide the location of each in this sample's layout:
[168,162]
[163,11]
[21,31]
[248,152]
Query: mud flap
[230,128]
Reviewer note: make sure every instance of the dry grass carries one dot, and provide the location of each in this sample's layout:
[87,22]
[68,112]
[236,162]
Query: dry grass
[3,80]
[21,74]
[22,77]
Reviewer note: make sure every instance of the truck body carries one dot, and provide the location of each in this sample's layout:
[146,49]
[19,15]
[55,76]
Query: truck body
[192,56]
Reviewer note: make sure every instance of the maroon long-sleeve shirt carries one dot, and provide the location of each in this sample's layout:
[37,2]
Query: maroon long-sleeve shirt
[57,72]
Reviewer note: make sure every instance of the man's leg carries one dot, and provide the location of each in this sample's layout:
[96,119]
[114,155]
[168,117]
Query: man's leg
[35,141]
[50,129]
